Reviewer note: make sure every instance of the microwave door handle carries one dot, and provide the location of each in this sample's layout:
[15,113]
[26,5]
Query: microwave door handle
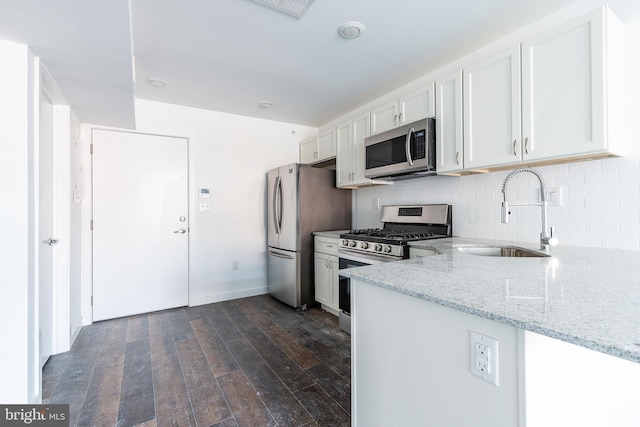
[408,146]
[276,221]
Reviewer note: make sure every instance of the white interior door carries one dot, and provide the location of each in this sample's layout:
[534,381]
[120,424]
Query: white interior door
[45,229]
[140,223]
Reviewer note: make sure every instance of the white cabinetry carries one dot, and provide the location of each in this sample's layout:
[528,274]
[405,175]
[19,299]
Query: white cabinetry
[319,148]
[326,272]
[449,147]
[492,111]
[569,87]
[415,105]
[571,82]
[350,157]
[308,151]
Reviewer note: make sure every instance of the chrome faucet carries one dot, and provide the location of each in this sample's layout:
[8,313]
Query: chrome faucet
[546,238]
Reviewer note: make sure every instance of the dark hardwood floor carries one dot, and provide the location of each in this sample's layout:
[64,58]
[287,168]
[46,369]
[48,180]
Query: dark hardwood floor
[248,362]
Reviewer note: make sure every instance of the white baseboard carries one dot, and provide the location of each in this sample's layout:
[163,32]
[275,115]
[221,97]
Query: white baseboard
[226,296]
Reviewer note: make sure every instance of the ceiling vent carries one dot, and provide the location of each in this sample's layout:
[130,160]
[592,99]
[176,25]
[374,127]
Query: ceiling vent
[295,8]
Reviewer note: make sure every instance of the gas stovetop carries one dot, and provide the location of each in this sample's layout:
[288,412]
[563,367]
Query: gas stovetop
[402,224]
[383,235]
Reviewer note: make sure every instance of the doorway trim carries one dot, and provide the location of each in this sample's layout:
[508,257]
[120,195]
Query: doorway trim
[61,141]
[86,234]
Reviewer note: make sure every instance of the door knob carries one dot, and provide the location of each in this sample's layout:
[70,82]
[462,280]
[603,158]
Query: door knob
[180,231]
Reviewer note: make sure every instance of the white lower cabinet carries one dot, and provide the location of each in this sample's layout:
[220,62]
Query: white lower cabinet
[326,272]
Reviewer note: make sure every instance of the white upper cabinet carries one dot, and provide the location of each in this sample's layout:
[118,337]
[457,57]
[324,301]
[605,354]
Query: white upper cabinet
[449,140]
[415,105]
[320,148]
[492,132]
[326,144]
[344,157]
[566,88]
[570,79]
[308,151]
[350,160]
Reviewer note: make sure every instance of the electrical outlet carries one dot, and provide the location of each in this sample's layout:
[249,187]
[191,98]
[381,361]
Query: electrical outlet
[483,357]
[205,208]
[376,203]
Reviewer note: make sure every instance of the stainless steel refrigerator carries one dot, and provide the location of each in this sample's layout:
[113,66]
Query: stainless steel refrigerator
[301,200]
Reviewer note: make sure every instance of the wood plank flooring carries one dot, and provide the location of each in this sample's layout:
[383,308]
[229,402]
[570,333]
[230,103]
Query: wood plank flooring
[248,362]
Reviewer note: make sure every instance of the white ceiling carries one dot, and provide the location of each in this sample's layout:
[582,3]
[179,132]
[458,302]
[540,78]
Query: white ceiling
[227,55]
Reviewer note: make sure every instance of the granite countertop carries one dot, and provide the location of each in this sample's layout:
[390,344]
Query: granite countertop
[585,296]
[332,234]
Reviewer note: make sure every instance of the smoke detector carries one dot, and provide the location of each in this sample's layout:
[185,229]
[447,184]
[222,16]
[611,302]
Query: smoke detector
[295,8]
[351,30]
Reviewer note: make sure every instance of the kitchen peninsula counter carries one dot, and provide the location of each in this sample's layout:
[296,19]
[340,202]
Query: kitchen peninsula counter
[589,297]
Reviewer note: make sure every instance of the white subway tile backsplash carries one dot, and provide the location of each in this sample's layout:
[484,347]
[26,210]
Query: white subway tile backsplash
[601,205]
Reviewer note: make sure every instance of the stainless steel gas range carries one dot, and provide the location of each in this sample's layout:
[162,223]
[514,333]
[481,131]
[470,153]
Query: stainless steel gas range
[401,225]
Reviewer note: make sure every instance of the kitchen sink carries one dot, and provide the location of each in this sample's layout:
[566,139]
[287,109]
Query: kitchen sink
[501,251]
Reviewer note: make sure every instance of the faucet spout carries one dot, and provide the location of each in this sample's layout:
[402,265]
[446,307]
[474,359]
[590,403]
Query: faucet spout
[546,237]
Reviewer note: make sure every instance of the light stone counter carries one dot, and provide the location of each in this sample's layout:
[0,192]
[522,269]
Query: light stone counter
[585,296]
[334,234]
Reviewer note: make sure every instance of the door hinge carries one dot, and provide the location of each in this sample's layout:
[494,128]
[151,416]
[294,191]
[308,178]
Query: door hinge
[91,149]
[92,224]
[91,300]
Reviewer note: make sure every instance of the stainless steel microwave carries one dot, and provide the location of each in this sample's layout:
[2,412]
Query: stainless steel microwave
[403,152]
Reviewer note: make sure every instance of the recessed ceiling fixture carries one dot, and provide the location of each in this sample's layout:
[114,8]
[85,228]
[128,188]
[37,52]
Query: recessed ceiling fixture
[155,82]
[265,104]
[295,8]
[351,29]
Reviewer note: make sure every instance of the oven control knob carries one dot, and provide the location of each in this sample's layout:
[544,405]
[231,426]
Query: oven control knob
[364,245]
[377,247]
[387,248]
[352,243]
[344,242]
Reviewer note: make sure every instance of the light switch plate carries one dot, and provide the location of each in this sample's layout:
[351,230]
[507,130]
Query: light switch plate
[483,357]
[554,196]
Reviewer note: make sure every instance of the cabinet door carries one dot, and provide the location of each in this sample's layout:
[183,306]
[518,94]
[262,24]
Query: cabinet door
[361,130]
[344,155]
[563,90]
[449,123]
[492,130]
[322,278]
[326,145]
[308,151]
[335,279]
[417,105]
[384,117]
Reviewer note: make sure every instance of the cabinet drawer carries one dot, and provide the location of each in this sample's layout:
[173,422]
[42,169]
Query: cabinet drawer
[326,245]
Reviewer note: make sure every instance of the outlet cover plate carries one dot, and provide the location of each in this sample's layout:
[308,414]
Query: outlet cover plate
[483,357]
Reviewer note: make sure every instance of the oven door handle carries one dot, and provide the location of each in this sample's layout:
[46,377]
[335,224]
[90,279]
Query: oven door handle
[365,258]
[407,146]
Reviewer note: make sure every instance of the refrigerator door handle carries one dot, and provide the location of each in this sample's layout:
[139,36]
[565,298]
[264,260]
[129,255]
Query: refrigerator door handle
[281,255]
[276,202]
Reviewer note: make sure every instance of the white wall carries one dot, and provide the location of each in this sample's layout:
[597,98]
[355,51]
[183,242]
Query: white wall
[601,198]
[19,364]
[231,155]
